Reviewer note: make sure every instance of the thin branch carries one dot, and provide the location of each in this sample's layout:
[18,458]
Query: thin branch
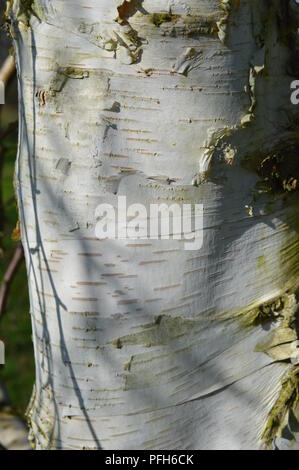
[9,276]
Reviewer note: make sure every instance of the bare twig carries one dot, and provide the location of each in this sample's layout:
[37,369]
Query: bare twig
[9,276]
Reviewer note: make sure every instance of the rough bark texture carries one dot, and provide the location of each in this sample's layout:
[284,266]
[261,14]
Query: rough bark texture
[146,345]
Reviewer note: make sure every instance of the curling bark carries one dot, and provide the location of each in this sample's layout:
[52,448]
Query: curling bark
[144,344]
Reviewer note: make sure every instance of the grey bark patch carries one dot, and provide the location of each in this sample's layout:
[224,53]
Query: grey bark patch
[63,165]
[115,108]
[162,330]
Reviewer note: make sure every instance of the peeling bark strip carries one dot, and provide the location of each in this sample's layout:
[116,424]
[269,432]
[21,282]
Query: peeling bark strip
[142,344]
[285,406]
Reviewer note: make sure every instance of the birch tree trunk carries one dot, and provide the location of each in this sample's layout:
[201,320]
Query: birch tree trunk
[145,345]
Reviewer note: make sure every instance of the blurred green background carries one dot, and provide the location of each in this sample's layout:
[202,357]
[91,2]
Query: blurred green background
[15,326]
[17,374]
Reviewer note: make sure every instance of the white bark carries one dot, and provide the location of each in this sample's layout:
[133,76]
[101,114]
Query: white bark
[146,345]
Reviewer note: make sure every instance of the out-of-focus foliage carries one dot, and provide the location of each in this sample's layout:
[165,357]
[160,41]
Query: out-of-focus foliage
[15,327]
